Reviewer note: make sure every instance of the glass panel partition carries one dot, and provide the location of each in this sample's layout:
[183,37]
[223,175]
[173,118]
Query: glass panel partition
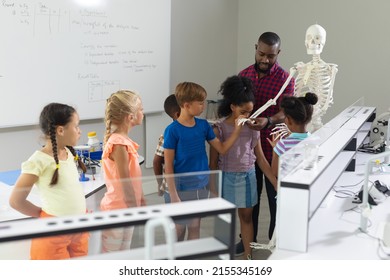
[205,220]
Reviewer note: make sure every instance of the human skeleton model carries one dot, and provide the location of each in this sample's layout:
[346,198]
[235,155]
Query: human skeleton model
[315,76]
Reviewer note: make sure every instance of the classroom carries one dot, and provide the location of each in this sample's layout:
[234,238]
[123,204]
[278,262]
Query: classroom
[207,42]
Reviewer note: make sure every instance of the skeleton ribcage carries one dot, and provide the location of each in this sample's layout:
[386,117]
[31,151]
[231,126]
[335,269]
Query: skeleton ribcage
[318,81]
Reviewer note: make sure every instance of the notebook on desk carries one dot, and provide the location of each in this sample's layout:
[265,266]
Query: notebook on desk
[9,177]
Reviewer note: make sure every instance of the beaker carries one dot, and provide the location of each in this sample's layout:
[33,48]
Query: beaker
[311,156]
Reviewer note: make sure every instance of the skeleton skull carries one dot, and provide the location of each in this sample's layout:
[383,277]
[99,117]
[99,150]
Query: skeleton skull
[315,39]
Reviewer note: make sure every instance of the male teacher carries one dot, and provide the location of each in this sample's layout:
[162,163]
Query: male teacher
[267,78]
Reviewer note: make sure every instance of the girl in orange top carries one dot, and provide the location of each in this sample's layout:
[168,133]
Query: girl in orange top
[122,172]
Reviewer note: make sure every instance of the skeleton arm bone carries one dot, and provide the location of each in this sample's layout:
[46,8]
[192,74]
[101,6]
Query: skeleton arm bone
[272,101]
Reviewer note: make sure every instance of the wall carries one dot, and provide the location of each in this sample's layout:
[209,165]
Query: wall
[357,40]
[204,42]
[204,48]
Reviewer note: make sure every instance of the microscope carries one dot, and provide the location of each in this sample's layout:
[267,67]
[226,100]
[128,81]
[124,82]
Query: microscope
[379,135]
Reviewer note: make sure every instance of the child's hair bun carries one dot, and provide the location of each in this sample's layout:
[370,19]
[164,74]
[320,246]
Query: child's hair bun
[311,98]
[289,102]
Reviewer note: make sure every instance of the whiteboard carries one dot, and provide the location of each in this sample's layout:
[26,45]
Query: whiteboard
[78,52]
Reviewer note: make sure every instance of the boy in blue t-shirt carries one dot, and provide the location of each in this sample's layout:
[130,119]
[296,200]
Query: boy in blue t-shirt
[185,151]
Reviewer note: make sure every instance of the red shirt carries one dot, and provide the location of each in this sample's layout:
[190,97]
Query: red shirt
[266,88]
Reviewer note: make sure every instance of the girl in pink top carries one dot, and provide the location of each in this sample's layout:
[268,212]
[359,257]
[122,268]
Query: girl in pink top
[122,172]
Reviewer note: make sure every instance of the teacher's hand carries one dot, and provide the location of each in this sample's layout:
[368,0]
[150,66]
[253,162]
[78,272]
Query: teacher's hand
[257,123]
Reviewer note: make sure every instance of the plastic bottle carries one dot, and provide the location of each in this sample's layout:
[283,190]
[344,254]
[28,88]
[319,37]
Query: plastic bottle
[94,142]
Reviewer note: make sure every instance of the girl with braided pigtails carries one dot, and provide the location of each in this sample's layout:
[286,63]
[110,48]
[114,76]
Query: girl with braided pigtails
[53,170]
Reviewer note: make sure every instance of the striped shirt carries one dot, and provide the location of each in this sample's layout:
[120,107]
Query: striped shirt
[287,143]
[160,146]
[160,152]
[266,88]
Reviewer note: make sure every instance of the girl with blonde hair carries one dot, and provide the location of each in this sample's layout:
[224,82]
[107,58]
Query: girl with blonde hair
[122,172]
